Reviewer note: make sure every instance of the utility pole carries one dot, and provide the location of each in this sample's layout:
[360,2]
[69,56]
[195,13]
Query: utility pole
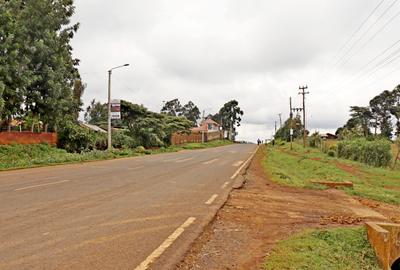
[280,120]
[109,142]
[291,124]
[202,131]
[303,88]
[275,129]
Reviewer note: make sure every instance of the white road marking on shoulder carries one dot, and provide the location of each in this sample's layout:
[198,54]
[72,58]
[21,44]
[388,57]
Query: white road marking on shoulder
[183,160]
[243,165]
[160,250]
[135,168]
[225,185]
[171,159]
[212,199]
[210,161]
[41,185]
[237,163]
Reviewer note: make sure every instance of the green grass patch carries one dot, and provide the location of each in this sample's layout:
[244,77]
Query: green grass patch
[299,166]
[341,249]
[36,155]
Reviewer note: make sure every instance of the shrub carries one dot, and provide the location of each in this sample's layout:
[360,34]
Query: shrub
[331,153]
[123,141]
[315,140]
[140,149]
[375,153]
[75,138]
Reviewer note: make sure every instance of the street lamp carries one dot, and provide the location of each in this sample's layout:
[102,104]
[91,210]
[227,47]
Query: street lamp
[109,144]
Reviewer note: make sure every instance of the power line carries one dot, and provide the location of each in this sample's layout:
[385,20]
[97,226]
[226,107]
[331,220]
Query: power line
[371,38]
[365,33]
[359,74]
[359,28]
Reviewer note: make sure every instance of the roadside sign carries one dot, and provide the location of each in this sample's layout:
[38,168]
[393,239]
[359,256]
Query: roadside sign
[291,131]
[116,109]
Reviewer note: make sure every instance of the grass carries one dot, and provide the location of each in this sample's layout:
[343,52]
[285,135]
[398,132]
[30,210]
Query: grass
[341,249]
[299,166]
[28,156]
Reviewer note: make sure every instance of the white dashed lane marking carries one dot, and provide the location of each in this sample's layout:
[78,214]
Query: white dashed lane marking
[210,161]
[212,199]
[41,185]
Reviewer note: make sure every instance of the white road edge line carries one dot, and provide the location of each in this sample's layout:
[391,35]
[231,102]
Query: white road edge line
[135,168]
[41,185]
[213,197]
[243,165]
[160,250]
[210,161]
[225,185]
[183,160]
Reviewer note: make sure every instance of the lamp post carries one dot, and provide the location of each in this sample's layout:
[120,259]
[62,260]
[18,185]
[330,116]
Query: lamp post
[109,144]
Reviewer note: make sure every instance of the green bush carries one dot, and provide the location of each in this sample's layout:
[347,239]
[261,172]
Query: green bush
[315,140]
[122,140]
[75,138]
[331,153]
[375,153]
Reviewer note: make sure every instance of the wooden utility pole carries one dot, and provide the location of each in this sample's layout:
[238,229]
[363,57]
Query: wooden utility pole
[280,120]
[291,124]
[275,129]
[202,130]
[303,88]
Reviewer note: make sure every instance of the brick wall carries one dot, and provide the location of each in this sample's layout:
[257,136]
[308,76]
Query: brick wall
[27,138]
[177,138]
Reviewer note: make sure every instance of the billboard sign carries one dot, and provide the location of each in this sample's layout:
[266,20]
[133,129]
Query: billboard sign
[116,109]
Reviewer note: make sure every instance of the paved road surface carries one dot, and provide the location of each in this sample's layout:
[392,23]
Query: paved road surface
[118,214]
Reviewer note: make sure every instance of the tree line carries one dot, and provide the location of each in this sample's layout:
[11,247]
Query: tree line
[381,118]
[39,79]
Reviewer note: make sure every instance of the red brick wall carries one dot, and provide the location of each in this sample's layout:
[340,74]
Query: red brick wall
[27,138]
[177,138]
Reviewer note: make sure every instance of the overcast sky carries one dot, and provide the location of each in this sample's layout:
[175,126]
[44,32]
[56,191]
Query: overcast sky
[257,52]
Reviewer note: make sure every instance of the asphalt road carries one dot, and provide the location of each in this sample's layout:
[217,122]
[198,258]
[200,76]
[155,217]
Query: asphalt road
[135,213]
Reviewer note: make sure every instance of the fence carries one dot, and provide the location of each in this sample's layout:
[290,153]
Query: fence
[28,138]
[195,137]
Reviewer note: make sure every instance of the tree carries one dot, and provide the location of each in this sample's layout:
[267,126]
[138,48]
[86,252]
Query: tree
[36,64]
[380,112]
[172,107]
[230,115]
[50,95]
[283,132]
[14,73]
[395,109]
[96,113]
[149,128]
[191,112]
[360,117]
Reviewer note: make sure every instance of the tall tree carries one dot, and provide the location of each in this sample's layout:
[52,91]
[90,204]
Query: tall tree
[14,72]
[172,107]
[283,132]
[395,110]
[50,95]
[191,112]
[96,113]
[360,117]
[380,109]
[230,115]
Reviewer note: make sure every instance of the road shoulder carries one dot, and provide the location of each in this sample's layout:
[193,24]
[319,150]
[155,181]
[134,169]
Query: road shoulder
[262,213]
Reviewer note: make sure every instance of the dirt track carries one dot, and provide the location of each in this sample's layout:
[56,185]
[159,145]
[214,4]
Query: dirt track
[262,213]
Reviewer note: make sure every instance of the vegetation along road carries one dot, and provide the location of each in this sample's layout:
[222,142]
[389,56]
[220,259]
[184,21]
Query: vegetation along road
[117,214]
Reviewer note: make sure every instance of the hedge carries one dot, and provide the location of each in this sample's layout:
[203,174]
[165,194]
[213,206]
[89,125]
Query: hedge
[375,153]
